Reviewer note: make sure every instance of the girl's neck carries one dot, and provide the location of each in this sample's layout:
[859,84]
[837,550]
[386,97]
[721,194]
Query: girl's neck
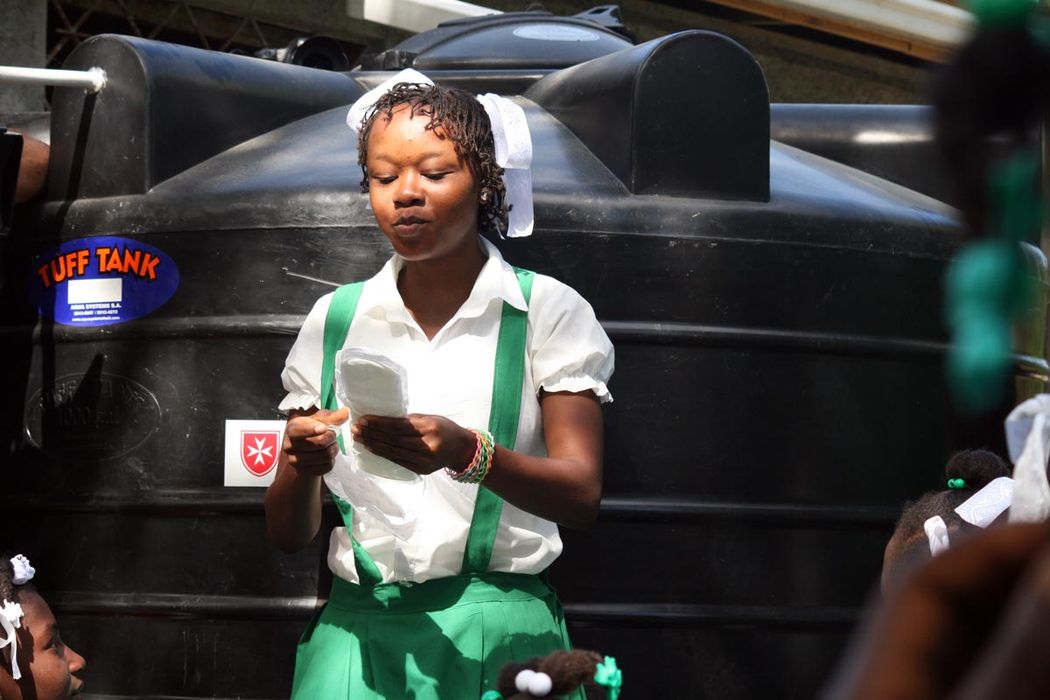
[433,290]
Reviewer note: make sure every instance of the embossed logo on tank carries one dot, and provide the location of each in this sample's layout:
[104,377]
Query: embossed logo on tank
[95,416]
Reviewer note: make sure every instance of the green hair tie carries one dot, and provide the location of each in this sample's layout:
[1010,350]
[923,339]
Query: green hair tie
[491,695]
[956,483]
[608,675]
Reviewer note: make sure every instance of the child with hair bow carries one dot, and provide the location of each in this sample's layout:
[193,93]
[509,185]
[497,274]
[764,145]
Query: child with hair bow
[450,506]
[35,664]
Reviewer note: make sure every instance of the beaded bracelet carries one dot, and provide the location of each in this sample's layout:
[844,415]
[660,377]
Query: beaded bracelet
[479,467]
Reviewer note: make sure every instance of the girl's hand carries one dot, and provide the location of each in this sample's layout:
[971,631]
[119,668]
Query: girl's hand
[310,446]
[417,442]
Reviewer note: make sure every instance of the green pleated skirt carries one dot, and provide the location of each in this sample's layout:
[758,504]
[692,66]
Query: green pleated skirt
[445,639]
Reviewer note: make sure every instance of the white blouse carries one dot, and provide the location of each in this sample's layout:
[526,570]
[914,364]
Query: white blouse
[417,530]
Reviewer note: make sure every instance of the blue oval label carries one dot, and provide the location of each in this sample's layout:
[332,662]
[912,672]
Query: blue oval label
[101,280]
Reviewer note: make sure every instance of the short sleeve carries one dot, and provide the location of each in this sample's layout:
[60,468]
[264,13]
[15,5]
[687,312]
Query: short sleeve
[302,369]
[570,350]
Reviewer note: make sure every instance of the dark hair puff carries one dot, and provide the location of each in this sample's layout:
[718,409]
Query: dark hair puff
[975,467]
[568,670]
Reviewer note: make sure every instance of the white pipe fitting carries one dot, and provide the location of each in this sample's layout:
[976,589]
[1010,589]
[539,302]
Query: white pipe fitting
[91,80]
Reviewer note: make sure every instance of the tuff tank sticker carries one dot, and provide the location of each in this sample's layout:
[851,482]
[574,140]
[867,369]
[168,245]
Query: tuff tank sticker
[101,280]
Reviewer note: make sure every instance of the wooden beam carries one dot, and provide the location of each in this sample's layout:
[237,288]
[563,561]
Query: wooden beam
[928,51]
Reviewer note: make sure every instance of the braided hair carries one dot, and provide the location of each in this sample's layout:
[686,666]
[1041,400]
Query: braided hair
[465,122]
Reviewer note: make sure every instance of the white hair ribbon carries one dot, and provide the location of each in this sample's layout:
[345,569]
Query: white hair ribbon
[510,135]
[982,508]
[356,116]
[23,570]
[1028,439]
[937,534]
[11,621]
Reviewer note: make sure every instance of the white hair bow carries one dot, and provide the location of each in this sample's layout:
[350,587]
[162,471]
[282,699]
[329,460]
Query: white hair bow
[23,570]
[11,620]
[936,534]
[511,136]
[980,509]
[11,613]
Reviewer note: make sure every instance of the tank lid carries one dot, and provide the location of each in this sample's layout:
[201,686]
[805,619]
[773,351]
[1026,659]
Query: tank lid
[514,40]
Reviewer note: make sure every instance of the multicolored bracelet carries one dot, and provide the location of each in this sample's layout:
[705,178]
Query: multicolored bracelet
[479,467]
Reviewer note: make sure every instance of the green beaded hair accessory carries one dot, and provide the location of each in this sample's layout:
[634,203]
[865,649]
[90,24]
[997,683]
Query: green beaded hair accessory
[956,483]
[491,695]
[606,674]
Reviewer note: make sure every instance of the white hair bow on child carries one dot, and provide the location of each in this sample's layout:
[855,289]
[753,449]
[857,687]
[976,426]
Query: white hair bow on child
[11,613]
[510,134]
[23,570]
[980,509]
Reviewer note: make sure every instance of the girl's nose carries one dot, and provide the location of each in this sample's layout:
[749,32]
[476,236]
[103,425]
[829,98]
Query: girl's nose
[76,661]
[409,193]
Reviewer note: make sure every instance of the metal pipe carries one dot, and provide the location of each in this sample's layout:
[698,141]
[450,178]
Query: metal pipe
[92,80]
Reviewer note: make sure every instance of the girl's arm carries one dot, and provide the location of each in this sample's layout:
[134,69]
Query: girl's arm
[293,500]
[565,486]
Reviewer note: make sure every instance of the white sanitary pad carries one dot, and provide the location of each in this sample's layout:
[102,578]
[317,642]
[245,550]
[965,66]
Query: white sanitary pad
[370,384]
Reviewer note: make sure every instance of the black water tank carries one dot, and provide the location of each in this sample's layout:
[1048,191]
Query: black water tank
[779,389]
[510,41]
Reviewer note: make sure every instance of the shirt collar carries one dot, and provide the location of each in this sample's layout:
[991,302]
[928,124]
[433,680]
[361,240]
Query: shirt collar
[497,280]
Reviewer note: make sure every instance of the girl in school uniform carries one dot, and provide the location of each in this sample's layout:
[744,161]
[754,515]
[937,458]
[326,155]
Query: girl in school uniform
[439,579]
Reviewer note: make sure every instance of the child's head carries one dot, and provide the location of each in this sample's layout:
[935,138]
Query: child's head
[43,667]
[966,472]
[456,115]
[556,675]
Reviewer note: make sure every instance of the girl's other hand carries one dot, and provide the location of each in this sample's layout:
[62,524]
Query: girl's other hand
[421,443]
[310,444]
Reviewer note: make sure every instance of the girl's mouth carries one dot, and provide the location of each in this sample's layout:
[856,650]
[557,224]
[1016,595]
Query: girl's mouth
[409,225]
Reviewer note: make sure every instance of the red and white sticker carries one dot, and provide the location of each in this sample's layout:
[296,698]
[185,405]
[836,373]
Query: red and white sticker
[252,450]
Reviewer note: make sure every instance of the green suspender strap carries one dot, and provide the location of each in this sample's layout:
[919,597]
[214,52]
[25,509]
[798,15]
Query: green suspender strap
[507,381]
[336,324]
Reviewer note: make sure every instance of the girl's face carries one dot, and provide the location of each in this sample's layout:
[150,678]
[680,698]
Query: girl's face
[424,196]
[48,666]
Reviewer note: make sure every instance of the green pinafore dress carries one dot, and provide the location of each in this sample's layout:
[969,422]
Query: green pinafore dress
[445,638]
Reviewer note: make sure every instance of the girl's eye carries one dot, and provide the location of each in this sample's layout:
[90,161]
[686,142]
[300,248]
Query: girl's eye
[435,176]
[56,644]
[384,179]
